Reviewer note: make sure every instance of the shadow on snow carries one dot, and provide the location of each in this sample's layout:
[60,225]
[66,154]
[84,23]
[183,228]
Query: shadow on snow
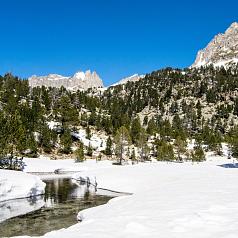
[229,166]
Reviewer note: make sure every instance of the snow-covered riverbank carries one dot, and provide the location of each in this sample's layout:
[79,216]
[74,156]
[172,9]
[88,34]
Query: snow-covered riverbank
[18,193]
[14,184]
[169,200]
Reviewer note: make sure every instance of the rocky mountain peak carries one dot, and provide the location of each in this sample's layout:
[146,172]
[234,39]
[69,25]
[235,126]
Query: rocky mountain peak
[233,28]
[79,75]
[79,81]
[222,49]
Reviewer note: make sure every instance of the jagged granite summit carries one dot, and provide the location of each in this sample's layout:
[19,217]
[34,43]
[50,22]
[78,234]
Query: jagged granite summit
[221,51]
[79,81]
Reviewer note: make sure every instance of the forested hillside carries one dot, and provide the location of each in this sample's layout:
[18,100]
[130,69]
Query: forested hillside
[153,117]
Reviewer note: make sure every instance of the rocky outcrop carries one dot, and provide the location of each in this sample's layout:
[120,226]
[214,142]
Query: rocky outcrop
[221,51]
[79,81]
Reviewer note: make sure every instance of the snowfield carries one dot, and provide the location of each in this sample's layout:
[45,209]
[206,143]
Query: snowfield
[16,192]
[170,200]
[65,166]
[14,184]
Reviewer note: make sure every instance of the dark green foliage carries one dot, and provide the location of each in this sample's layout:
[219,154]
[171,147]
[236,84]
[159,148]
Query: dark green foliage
[135,130]
[88,133]
[211,96]
[199,110]
[233,140]
[143,146]
[122,140]
[180,146]
[45,139]
[145,121]
[79,154]
[66,141]
[108,150]
[151,128]
[236,107]
[89,150]
[172,101]
[165,151]
[198,154]
[133,156]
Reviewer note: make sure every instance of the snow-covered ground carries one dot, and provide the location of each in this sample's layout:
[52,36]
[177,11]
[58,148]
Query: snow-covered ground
[45,164]
[95,141]
[16,192]
[175,200]
[14,184]
[17,207]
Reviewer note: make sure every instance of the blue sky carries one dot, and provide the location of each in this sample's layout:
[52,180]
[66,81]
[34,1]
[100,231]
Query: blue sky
[115,38]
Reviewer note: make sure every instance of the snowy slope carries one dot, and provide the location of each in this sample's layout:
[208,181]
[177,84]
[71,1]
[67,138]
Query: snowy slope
[132,78]
[169,200]
[95,142]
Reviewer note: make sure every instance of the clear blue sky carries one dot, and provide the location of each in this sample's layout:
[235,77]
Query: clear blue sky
[115,38]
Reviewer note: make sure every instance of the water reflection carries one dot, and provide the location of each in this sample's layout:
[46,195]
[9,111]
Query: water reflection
[62,201]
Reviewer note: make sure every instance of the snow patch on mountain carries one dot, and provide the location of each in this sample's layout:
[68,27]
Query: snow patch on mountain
[95,141]
[132,78]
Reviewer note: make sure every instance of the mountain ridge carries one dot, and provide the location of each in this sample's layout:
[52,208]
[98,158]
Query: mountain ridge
[132,78]
[222,50]
[79,81]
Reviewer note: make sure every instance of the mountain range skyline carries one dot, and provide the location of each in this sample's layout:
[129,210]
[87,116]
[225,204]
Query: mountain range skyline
[115,39]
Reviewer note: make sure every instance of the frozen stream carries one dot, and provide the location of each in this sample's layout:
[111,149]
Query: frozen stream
[57,209]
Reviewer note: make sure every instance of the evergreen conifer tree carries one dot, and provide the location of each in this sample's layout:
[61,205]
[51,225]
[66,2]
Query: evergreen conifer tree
[79,154]
[122,140]
[66,141]
[135,130]
[108,150]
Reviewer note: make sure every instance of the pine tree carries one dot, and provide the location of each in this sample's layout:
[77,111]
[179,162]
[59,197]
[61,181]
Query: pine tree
[122,140]
[21,139]
[66,141]
[142,145]
[89,150]
[145,121]
[45,139]
[32,145]
[180,146]
[135,130]
[233,141]
[165,151]
[79,154]
[198,155]
[151,128]
[199,109]
[133,156]
[108,150]
[88,133]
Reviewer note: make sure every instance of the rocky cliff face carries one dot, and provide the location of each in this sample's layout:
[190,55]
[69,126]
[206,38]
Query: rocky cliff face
[221,51]
[79,81]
